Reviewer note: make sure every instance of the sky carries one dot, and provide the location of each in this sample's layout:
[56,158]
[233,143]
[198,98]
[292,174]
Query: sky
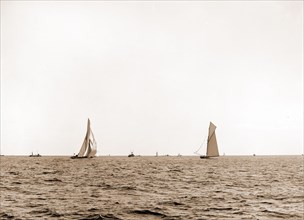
[151,75]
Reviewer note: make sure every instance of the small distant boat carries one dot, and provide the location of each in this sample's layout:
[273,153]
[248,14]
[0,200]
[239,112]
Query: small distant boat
[89,145]
[35,155]
[131,155]
[212,148]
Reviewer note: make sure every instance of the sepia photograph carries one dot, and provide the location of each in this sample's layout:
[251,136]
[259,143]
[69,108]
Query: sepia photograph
[152,110]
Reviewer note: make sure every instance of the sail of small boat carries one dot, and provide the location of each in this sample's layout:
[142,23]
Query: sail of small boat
[89,145]
[212,148]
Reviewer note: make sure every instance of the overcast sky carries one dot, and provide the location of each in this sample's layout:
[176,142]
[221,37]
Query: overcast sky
[151,75]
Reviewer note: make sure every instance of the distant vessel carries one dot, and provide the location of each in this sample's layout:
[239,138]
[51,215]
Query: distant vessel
[131,155]
[212,148]
[89,145]
[35,155]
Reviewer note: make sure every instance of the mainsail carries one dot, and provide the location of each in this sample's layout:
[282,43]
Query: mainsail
[89,145]
[212,149]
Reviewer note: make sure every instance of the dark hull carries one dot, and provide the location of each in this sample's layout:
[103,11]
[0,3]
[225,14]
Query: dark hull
[131,155]
[208,157]
[76,157]
[35,155]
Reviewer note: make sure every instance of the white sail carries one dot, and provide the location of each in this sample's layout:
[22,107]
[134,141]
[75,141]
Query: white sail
[83,148]
[92,146]
[89,145]
[212,149]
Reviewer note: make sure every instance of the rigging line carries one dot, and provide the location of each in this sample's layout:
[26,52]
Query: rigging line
[196,152]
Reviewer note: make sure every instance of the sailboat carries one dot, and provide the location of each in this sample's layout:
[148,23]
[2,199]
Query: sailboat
[35,155]
[131,154]
[89,145]
[212,148]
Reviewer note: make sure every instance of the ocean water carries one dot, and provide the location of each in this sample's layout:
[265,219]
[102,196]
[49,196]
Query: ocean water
[261,187]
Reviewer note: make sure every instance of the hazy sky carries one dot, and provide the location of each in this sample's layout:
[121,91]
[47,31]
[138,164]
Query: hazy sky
[151,75]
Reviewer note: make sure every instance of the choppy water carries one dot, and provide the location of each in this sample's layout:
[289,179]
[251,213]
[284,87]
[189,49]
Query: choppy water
[152,188]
